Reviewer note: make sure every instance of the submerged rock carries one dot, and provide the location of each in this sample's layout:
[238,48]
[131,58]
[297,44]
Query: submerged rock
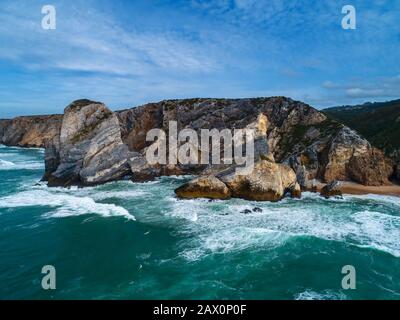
[89,150]
[246,211]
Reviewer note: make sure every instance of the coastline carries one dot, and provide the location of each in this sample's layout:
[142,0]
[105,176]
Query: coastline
[348,187]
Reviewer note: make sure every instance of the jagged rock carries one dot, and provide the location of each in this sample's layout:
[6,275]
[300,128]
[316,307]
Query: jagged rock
[51,157]
[204,187]
[4,125]
[332,189]
[345,145]
[136,122]
[287,131]
[257,209]
[90,150]
[371,168]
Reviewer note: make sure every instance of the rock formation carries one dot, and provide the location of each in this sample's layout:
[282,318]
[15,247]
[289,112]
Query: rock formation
[332,189]
[89,150]
[90,144]
[33,132]
[371,168]
[204,187]
[268,181]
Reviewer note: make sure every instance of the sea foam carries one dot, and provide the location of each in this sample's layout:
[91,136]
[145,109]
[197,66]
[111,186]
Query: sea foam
[223,227]
[28,165]
[65,205]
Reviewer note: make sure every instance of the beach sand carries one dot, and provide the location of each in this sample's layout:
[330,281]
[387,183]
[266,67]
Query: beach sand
[359,189]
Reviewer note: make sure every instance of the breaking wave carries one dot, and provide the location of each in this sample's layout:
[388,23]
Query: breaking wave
[325,295]
[29,165]
[65,205]
[221,227]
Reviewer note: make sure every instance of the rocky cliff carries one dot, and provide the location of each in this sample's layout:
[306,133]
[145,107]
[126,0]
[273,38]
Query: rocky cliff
[378,122]
[30,131]
[89,149]
[315,146]
[89,144]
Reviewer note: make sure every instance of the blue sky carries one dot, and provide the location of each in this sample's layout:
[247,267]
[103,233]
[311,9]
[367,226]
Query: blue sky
[127,53]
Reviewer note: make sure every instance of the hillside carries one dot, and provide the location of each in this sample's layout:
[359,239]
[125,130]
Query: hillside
[379,123]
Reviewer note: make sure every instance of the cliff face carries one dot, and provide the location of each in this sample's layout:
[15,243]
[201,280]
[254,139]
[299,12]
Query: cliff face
[90,143]
[34,131]
[313,145]
[89,149]
[377,122]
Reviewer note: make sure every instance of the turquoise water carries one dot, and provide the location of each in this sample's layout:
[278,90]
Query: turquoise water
[137,241]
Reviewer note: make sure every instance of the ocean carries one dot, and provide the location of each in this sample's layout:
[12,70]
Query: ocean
[126,240]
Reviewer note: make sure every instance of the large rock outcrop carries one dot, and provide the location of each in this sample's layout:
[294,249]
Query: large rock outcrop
[287,131]
[204,187]
[267,181]
[371,168]
[89,150]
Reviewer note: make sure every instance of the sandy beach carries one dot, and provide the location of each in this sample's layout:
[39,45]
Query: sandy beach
[348,187]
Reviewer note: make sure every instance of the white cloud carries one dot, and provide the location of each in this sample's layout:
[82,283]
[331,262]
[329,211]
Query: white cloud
[91,41]
[376,88]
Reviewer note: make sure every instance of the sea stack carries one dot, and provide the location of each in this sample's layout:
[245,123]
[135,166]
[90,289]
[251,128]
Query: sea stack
[89,149]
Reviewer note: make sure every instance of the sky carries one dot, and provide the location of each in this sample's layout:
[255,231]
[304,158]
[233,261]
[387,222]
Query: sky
[128,53]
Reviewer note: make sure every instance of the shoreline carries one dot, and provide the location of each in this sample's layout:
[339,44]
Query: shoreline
[346,187]
[353,188]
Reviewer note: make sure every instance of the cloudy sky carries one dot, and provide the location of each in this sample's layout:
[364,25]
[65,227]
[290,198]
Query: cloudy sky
[126,53]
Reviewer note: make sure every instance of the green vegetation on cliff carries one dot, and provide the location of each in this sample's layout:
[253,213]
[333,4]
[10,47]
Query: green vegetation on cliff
[377,122]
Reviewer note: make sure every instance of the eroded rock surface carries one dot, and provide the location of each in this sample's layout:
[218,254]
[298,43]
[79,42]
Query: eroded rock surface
[268,181]
[204,187]
[96,145]
[89,150]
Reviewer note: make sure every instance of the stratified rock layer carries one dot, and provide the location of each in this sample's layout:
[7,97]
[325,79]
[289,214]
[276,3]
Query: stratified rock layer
[92,145]
[90,149]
